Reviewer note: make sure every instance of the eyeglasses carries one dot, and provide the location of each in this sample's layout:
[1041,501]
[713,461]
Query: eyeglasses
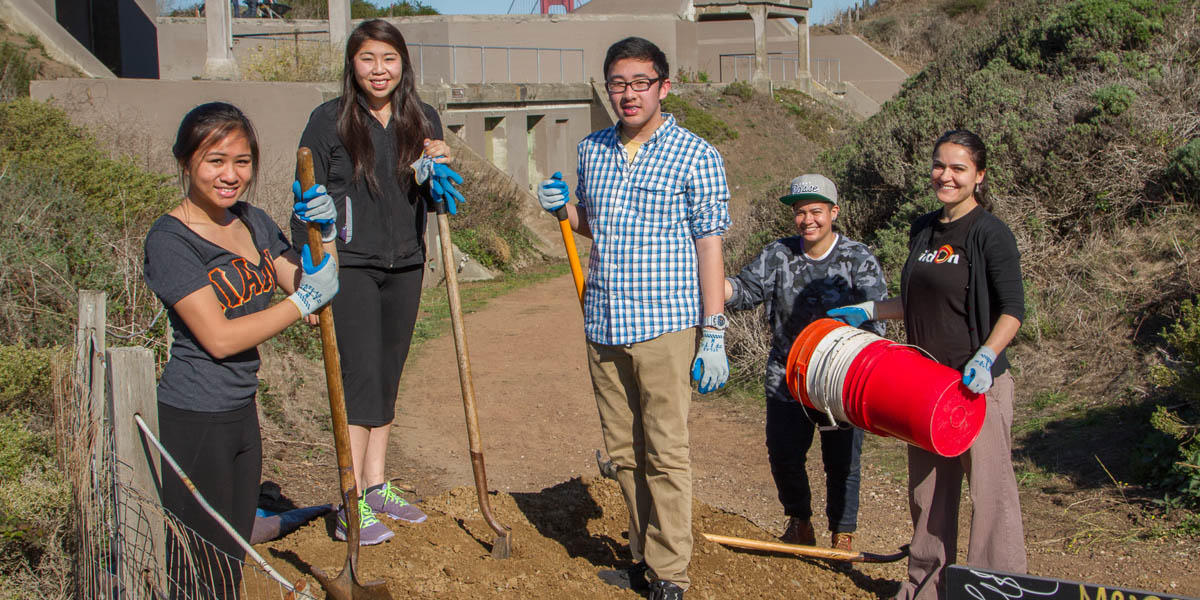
[638,85]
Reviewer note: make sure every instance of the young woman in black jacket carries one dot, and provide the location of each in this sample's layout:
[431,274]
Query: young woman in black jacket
[363,143]
[962,301]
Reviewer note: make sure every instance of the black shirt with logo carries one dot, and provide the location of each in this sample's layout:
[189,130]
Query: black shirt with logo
[937,303]
[381,228]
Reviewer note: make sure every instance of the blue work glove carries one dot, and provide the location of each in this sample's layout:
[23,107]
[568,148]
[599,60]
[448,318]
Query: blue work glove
[711,368]
[442,183]
[977,375]
[442,180]
[855,314]
[316,206]
[318,284]
[553,193]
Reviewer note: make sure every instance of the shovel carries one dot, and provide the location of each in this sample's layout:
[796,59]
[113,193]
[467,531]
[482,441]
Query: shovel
[564,224]
[813,551]
[502,544]
[344,586]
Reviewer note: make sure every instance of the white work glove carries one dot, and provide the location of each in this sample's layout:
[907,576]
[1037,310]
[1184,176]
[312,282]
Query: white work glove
[316,206]
[711,368]
[977,375]
[553,193]
[854,315]
[318,284]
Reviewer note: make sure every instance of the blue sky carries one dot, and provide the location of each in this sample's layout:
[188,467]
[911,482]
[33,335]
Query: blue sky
[821,11]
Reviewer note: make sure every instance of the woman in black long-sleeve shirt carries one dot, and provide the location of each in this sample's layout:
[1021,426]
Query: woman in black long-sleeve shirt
[363,143]
[961,300]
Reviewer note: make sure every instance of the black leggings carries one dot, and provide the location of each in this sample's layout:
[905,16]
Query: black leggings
[221,453]
[374,312]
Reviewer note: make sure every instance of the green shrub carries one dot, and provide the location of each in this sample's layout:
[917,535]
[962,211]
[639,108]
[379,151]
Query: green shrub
[698,121]
[1182,175]
[740,89]
[35,505]
[953,8]
[57,243]
[112,189]
[361,9]
[25,378]
[1079,29]
[15,71]
[1184,334]
[286,62]
[1111,101]
[1167,453]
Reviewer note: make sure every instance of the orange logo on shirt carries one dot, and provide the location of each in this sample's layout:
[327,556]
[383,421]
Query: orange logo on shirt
[945,254]
[240,282]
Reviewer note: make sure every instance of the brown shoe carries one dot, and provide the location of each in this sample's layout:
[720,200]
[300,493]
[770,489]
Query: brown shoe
[799,531]
[842,541]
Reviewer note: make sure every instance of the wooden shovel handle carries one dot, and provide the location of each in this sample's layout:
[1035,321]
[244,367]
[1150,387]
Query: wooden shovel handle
[333,372]
[813,551]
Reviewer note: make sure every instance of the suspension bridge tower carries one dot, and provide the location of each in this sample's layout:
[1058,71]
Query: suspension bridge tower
[568,5]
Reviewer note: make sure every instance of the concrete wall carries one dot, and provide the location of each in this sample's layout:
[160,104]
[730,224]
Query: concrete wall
[141,117]
[181,44]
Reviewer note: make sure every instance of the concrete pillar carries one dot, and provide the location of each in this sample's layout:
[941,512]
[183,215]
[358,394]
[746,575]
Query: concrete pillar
[339,24]
[218,20]
[758,14]
[803,71]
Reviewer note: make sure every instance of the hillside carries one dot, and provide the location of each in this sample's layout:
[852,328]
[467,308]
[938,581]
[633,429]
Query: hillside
[1089,109]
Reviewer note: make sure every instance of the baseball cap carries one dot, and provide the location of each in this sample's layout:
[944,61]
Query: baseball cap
[811,187]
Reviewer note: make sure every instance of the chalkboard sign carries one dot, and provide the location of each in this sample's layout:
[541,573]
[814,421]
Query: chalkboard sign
[966,583]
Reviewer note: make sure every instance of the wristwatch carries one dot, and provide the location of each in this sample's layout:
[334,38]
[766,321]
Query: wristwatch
[717,321]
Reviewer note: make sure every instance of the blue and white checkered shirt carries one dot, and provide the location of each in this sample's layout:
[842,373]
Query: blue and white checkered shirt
[642,277]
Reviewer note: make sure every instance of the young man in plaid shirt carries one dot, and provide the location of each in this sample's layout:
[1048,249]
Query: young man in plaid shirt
[652,196]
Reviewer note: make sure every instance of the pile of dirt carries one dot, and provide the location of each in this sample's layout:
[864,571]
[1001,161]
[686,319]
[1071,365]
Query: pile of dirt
[568,542]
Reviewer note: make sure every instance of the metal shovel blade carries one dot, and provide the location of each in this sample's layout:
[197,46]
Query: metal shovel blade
[346,587]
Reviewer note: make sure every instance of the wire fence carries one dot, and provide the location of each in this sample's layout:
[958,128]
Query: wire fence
[127,545]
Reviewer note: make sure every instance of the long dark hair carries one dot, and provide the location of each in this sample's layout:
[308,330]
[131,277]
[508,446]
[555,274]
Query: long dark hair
[206,125]
[353,123]
[978,151]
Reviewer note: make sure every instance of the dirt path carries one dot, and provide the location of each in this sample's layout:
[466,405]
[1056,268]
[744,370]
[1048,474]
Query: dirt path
[540,431]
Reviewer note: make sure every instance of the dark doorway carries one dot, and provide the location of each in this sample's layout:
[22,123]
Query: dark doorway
[117,32]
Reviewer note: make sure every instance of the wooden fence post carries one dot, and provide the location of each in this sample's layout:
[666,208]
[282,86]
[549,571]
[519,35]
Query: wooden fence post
[83,421]
[143,533]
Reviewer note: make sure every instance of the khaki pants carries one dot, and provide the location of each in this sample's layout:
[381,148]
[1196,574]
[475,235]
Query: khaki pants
[934,487]
[643,392]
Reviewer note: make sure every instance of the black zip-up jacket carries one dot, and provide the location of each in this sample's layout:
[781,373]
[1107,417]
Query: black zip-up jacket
[384,230]
[994,285]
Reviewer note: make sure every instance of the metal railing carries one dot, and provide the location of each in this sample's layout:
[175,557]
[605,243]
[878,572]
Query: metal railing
[508,55]
[741,66]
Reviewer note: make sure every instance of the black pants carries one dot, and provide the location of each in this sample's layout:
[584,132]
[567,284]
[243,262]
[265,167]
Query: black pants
[221,453]
[789,436]
[375,311]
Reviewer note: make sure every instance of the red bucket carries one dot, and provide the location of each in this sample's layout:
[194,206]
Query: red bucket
[920,401]
[856,375]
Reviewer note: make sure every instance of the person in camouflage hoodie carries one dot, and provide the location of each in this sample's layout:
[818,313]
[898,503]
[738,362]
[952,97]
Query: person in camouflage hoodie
[799,278]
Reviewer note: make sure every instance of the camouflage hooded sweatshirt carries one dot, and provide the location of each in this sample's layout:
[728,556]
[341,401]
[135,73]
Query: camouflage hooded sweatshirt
[798,289]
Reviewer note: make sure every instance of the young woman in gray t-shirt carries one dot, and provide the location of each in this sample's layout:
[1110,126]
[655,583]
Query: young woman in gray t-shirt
[215,262]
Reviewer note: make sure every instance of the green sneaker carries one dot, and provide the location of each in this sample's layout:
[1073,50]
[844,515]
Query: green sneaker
[383,498]
[370,530]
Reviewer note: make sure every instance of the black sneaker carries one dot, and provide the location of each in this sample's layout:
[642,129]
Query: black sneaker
[637,577]
[665,590]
